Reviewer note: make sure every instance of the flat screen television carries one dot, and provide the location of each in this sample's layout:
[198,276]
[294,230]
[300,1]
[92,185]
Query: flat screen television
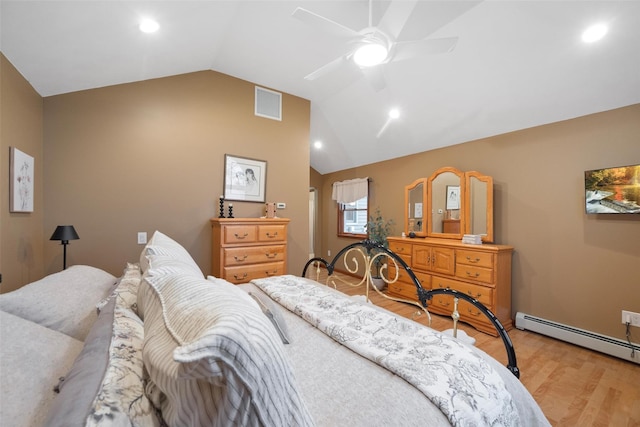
[613,190]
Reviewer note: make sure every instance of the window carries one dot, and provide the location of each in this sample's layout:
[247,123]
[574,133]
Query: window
[352,218]
[352,197]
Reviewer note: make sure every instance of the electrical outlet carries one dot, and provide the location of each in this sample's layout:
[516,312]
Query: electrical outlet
[142,237]
[630,317]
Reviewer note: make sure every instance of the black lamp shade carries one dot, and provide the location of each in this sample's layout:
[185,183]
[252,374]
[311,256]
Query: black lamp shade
[65,233]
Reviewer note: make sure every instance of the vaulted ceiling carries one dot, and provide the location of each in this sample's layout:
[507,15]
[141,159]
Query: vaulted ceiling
[515,64]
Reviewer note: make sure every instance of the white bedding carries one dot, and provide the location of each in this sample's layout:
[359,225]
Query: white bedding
[33,359]
[368,394]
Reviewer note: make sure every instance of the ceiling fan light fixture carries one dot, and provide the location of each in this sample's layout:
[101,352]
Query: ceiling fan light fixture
[149,26]
[594,33]
[370,54]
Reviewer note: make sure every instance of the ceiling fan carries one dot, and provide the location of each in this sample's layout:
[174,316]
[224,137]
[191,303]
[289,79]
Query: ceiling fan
[373,46]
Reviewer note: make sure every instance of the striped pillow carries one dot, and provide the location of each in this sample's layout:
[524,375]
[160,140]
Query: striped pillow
[215,357]
[160,265]
[161,244]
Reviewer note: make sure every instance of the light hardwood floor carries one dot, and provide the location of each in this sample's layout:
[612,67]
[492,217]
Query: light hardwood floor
[574,386]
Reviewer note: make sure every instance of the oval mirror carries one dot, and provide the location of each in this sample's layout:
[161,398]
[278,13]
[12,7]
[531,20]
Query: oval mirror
[446,189]
[479,202]
[415,199]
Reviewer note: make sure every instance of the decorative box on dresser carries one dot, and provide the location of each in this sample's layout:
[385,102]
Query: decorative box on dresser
[248,248]
[480,271]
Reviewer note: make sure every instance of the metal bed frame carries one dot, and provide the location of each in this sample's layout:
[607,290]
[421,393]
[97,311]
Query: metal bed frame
[361,257]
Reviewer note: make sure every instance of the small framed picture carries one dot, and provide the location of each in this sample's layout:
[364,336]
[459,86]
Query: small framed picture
[244,179]
[453,197]
[21,185]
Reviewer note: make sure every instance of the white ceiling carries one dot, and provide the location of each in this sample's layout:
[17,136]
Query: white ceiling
[517,64]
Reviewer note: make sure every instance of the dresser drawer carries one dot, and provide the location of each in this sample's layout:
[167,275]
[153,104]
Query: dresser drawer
[403,290]
[481,293]
[240,234]
[242,274]
[470,312]
[401,248]
[272,233]
[403,276]
[469,257]
[253,254]
[472,272]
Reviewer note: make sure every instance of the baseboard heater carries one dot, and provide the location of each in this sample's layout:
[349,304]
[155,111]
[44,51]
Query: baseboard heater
[602,343]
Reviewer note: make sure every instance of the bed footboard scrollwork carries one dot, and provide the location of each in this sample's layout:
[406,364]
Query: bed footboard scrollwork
[367,258]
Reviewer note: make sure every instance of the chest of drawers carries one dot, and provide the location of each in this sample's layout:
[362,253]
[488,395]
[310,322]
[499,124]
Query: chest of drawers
[248,248]
[480,271]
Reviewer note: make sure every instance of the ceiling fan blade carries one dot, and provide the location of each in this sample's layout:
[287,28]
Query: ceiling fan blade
[396,17]
[419,48]
[324,24]
[375,77]
[327,68]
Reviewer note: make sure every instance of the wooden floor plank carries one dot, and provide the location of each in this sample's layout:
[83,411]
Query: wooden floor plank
[574,386]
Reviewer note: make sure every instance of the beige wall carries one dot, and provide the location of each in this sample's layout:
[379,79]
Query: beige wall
[150,156]
[569,267]
[21,234]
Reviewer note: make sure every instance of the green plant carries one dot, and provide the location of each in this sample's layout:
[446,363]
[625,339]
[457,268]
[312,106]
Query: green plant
[378,229]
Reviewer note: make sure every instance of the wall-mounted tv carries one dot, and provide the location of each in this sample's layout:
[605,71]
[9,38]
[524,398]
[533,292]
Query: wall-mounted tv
[613,190]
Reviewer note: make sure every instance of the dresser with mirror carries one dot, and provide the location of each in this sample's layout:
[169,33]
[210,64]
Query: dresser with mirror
[439,211]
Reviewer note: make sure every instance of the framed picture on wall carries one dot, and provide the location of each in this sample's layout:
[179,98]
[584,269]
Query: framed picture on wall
[21,178]
[453,197]
[244,179]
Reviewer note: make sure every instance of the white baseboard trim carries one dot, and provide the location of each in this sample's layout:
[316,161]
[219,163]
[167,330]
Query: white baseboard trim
[591,340]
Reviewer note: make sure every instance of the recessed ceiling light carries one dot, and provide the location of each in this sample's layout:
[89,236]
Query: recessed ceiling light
[149,26]
[317,144]
[394,113]
[594,33]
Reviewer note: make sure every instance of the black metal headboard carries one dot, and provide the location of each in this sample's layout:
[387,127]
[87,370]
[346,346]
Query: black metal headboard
[373,250]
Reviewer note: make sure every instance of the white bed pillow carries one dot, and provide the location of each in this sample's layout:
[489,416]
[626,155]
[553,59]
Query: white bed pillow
[160,265]
[215,357]
[64,301]
[161,244]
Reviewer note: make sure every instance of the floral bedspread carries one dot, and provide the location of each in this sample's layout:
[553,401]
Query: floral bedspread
[121,399]
[457,380]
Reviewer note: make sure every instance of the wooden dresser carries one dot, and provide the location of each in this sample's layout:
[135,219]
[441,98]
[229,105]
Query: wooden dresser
[481,271]
[248,248]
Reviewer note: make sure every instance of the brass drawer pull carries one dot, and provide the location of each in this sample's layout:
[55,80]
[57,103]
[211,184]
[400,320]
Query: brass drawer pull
[473,260]
[239,236]
[473,275]
[271,273]
[444,304]
[271,256]
[237,277]
[271,236]
[476,296]
[471,312]
[240,259]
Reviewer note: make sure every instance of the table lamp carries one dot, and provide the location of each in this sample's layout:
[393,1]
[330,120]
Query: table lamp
[64,233]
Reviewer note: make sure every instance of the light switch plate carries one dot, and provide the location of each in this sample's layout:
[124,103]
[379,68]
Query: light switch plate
[142,237]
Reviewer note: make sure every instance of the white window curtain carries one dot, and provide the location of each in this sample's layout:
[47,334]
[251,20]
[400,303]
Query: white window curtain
[350,190]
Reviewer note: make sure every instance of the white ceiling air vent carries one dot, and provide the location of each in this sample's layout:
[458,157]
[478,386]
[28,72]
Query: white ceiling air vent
[268,103]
